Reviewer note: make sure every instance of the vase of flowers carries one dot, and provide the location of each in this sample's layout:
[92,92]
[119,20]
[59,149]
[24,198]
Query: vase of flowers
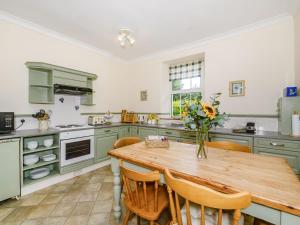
[43,117]
[200,116]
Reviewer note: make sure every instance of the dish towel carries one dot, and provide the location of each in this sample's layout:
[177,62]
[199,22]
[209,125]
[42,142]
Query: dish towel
[211,216]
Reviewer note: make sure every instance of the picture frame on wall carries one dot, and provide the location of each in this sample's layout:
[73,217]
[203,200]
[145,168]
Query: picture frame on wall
[144,95]
[237,88]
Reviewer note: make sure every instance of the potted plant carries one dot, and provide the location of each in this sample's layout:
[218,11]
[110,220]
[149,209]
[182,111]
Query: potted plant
[200,116]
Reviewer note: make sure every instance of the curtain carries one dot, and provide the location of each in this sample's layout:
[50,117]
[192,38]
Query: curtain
[183,71]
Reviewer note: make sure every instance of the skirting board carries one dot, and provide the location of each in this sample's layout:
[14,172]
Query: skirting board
[28,189]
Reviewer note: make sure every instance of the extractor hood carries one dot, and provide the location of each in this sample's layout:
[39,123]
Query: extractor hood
[71,90]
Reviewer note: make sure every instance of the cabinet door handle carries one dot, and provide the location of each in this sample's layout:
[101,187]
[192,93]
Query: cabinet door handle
[168,132]
[107,131]
[8,141]
[276,144]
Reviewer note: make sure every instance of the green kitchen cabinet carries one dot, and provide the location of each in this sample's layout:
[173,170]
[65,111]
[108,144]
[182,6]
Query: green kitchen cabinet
[124,131]
[144,132]
[134,131]
[104,143]
[243,140]
[173,135]
[10,181]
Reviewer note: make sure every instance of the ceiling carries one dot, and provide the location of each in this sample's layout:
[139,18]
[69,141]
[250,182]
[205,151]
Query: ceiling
[157,25]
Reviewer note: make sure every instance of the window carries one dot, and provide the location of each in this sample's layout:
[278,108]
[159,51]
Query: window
[186,85]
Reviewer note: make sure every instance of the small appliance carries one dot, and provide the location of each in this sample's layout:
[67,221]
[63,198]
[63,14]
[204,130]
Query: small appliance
[7,122]
[96,120]
[250,127]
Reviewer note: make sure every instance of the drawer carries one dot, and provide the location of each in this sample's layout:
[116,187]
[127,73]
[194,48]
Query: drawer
[243,140]
[277,144]
[292,157]
[105,131]
[166,132]
[188,135]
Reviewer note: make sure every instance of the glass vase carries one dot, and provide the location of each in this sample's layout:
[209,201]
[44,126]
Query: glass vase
[201,147]
[43,125]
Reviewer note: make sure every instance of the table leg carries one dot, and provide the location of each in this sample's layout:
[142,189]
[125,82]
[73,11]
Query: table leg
[117,188]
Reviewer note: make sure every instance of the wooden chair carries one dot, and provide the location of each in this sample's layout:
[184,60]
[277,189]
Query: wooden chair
[143,196]
[205,197]
[228,145]
[124,141]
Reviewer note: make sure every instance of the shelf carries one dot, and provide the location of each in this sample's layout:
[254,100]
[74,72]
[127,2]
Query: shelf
[40,149]
[30,181]
[41,85]
[39,164]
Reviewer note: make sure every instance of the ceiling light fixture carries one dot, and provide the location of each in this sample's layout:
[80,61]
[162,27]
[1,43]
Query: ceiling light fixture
[125,38]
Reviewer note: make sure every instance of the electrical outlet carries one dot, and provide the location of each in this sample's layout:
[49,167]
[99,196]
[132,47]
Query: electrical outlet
[22,121]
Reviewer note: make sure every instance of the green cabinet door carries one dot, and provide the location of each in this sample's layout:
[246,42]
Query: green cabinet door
[243,140]
[134,131]
[103,144]
[144,132]
[10,168]
[124,131]
[292,157]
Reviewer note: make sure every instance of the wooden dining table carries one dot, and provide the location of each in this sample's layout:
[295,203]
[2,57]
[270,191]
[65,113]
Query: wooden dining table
[274,187]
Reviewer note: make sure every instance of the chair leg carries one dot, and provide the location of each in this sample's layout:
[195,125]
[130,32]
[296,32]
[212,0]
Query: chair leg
[126,218]
[138,220]
[152,222]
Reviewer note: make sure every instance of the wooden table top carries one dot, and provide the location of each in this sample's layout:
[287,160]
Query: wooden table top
[270,180]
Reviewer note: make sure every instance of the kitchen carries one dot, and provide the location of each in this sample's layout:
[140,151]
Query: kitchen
[67,97]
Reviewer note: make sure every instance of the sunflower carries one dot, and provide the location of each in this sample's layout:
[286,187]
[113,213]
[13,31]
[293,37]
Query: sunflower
[210,111]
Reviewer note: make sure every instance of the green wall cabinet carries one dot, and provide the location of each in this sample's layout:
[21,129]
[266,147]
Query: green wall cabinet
[10,181]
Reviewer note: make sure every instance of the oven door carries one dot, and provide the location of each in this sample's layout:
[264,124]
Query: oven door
[76,150]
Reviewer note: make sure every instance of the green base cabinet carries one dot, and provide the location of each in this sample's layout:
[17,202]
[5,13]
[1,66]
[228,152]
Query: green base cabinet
[10,181]
[144,132]
[124,131]
[134,131]
[102,145]
[243,140]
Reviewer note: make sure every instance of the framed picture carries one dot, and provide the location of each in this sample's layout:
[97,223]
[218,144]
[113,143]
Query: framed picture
[144,95]
[237,88]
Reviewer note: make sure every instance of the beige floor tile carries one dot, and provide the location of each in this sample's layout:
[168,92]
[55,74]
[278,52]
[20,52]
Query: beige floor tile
[102,206]
[4,212]
[52,199]
[18,215]
[82,180]
[68,182]
[73,197]
[41,211]
[104,195]
[109,179]
[107,186]
[88,196]
[83,208]
[96,179]
[54,221]
[77,187]
[63,209]
[33,222]
[11,203]
[98,219]
[60,189]
[33,200]
[77,220]
[93,187]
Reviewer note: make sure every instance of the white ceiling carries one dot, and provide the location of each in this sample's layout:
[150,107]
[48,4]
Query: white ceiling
[158,25]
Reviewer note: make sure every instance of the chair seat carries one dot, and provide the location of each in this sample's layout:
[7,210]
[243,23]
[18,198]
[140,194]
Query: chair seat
[211,216]
[149,214]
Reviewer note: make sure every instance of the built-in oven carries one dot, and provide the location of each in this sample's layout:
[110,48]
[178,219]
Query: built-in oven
[76,146]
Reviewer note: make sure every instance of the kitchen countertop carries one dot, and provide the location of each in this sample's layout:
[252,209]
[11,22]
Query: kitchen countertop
[225,131]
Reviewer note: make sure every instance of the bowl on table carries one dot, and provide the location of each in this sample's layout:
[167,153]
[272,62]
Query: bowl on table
[29,160]
[32,145]
[48,142]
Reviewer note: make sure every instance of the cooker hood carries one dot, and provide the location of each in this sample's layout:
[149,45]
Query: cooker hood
[71,90]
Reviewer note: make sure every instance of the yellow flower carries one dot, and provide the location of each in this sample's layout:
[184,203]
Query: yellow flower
[210,111]
[184,114]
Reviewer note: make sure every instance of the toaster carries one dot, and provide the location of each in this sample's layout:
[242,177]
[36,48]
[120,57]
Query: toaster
[96,120]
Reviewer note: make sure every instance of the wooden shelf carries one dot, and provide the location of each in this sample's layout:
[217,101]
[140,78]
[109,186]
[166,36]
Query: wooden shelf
[28,181]
[39,164]
[40,149]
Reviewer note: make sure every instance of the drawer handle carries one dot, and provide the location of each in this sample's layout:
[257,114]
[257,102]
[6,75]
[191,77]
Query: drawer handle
[107,131]
[168,132]
[276,144]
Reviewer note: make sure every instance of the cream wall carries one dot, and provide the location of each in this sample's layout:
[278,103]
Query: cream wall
[19,44]
[297,49]
[263,56]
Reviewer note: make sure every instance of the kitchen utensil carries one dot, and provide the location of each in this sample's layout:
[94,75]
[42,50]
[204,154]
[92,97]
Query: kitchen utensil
[48,142]
[49,157]
[96,120]
[32,145]
[39,173]
[29,160]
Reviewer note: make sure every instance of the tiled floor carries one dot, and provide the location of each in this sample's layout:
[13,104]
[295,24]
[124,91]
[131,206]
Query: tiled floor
[86,199]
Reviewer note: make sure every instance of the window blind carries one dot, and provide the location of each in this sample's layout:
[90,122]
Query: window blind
[184,71]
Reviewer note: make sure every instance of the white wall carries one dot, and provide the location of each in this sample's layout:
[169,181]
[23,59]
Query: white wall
[264,57]
[297,49]
[19,44]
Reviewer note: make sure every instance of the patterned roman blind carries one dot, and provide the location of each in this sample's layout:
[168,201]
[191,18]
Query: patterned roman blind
[183,71]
